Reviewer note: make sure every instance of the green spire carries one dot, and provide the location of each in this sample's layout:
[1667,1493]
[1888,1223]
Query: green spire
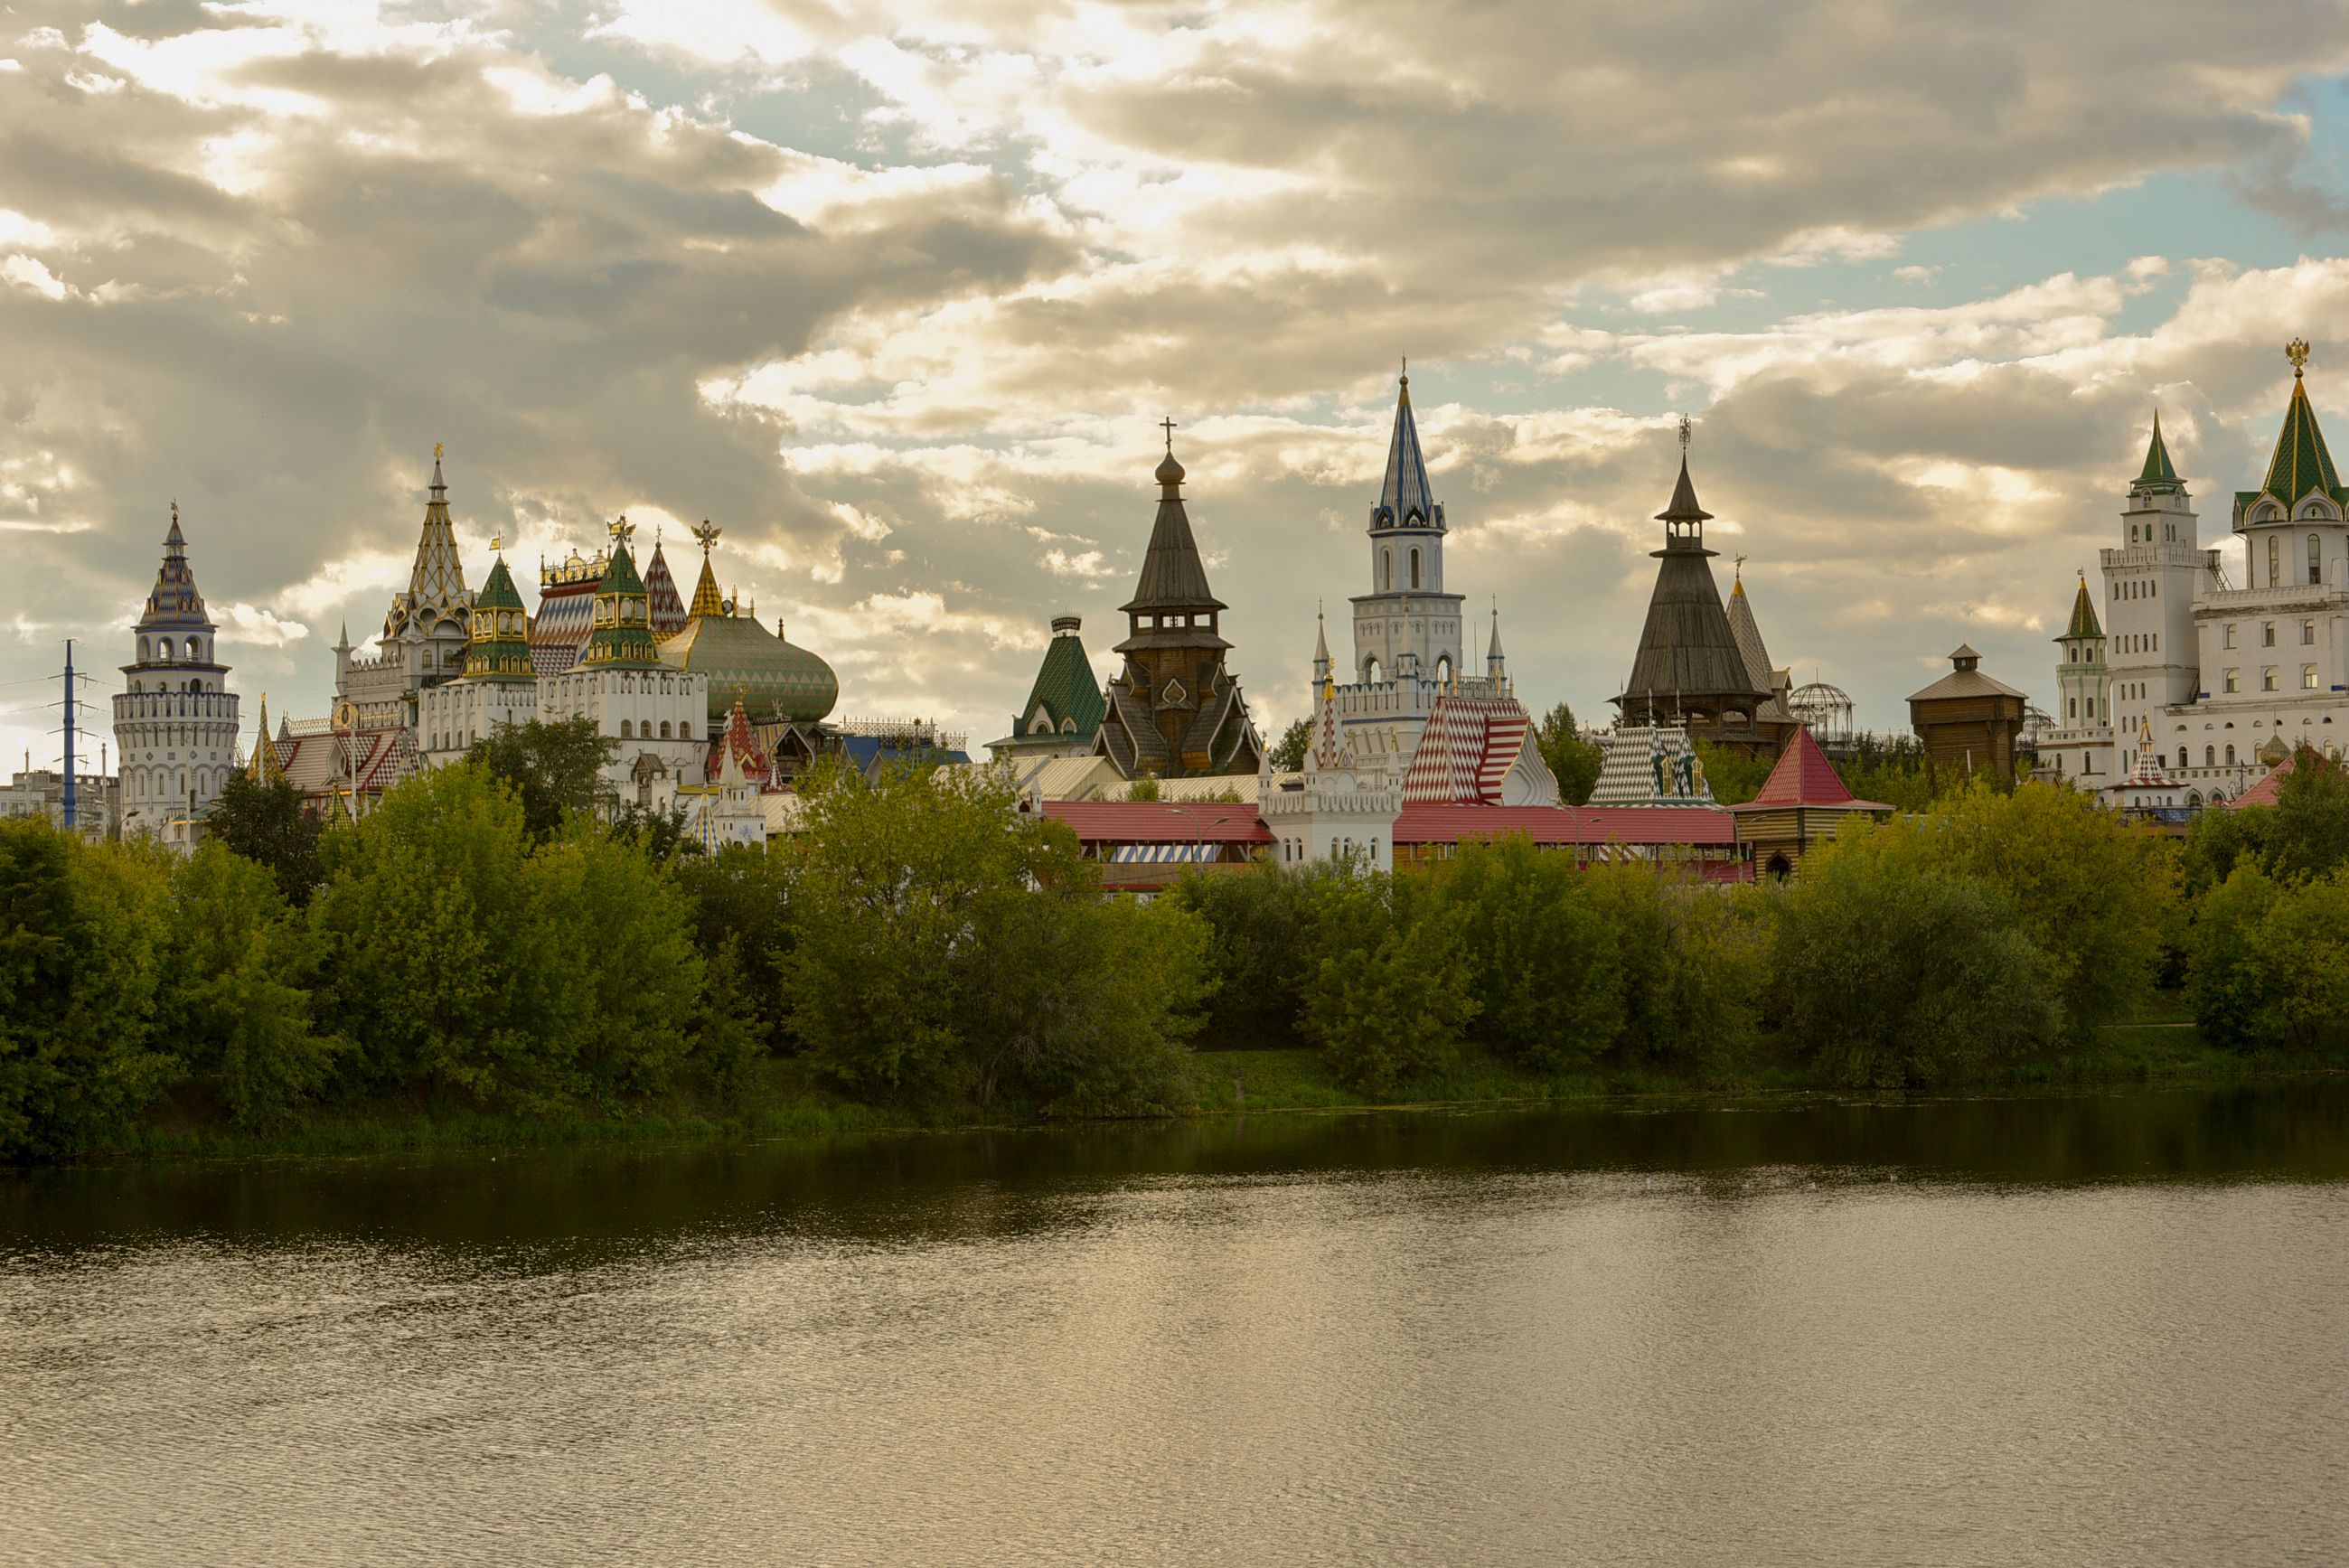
[2084,613]
[2158,473]
[624,627]
[1065,687]
[501,647]
[2301,463]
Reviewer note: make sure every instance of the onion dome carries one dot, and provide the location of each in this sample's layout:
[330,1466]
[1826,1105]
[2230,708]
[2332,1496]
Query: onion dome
[500,650]
[771,678]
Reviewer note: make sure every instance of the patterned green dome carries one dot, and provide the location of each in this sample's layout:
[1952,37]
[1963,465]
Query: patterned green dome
[775,679]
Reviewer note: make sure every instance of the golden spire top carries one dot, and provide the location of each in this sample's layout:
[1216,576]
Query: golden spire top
[623,531]
[436,452]
[707,534]
[2297,352]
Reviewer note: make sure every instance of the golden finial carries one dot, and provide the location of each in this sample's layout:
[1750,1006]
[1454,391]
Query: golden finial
[2297,352]
[707,534]
[623,531]
[436,452]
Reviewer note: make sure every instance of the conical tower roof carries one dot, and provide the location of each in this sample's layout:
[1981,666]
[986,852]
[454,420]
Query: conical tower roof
[500,650]
[2083,614]
[174,601]
[2158,473]
[1405,497]
[1172,575]
[1065,691]
[263,766]
[1688,660]
[2300,462]
[661,598]
[623,634]
[436,595]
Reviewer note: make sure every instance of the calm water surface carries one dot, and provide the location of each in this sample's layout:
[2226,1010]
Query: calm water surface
[2104,1329]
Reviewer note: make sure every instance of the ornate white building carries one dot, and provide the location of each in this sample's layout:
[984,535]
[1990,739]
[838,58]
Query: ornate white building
[427,632]
[175,720]
[2222,679]
[1408,657]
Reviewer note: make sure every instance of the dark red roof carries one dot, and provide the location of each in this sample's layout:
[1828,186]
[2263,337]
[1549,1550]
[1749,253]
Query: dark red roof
[2270,789]
[1160,822]
[1447,824]
[1803,777]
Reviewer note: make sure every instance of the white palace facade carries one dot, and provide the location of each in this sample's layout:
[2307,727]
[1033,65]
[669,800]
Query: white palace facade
[2224,679]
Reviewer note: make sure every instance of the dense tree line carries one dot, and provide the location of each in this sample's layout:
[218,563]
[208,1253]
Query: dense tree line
[483,939]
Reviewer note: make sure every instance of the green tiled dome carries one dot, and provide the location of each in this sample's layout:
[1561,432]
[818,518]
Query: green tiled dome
[774,676]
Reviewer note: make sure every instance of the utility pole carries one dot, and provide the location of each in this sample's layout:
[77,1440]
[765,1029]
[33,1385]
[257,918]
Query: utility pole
[72,821]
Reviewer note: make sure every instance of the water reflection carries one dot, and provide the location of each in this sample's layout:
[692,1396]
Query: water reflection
[2093,1329]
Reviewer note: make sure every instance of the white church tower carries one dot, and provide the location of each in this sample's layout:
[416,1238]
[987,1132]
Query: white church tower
[2151,582]
[175,720]
[2079,750]
[1407,626]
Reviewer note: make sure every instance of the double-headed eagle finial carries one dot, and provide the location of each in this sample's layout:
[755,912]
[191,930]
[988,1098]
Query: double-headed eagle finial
[2297,352]
[707,534]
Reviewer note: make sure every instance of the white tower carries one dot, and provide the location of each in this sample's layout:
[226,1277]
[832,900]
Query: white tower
[1406,627]
[2080,748]
[175,720]
[2150,586]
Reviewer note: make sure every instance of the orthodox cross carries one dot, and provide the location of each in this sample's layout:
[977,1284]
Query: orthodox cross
[1740,561]
[2297,352]
[1168,426]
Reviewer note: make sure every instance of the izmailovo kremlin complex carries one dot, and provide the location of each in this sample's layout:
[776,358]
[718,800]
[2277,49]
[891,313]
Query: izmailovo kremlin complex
[2175,689]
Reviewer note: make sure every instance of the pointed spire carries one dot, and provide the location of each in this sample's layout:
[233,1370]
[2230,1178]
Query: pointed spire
[175,599]
[439,486]
[1321,644]
[2084,615]
[1406,499]
[1493,645]
[2158,470]
[1172,575]
[175,542]
[436,581]
[2301,463]
[264,765]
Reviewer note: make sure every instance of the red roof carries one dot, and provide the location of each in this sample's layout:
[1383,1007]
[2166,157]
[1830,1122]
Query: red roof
[1160,822]
[1803,777]
[2270,789]
[1448,824]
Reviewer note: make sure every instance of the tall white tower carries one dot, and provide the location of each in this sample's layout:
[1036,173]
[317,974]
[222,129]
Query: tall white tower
[2150,584]
[1406,626]
[175,720]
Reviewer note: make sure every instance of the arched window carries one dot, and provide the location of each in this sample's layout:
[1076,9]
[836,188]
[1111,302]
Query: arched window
[1444,671]
[2315,560]
[1370,668]
[623,729]
[2230,756]
[1386,568]
[163,650]
[1414,566]
[2275,561]
[195,650]
[2181,757]
[664,733]
[685,731]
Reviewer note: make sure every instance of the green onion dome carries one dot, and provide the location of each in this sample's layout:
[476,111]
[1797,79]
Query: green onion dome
[776,678]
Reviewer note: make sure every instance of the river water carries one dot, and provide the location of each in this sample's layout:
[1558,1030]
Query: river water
[2101,1329]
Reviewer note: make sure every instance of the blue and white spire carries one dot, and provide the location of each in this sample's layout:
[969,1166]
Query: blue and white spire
[1406,499]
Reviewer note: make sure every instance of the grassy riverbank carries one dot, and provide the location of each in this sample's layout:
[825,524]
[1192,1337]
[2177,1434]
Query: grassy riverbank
[786,1102]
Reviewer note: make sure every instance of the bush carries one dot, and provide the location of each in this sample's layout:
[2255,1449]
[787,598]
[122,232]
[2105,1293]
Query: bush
[1893,975]
[240,965]
[1390,1001]
[1546,968]
[1258,953]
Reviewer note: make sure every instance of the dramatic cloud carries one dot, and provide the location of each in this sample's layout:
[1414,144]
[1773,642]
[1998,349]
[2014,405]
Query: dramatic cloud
[897,292]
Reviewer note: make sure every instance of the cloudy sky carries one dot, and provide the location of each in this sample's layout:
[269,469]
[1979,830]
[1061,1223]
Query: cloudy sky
[896,290]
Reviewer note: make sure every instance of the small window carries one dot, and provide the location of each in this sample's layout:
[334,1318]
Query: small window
[2268,678]
[2234,680]
[2210,757]
[2266,633]
[2230,756]
[624,733]
[2308,677]
[664,729]
[1414,568]
[2308,634]
[2230,634]
[2315,560]
[2275,561]
[2181,757]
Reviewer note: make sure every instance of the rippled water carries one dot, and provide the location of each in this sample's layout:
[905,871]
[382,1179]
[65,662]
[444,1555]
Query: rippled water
[2106,1329]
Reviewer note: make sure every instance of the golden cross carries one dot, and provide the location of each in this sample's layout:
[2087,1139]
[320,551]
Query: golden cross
[2297,352]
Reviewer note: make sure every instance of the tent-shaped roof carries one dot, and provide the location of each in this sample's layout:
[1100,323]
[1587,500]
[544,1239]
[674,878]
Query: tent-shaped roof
[2300,462]
[1172,576]
[2084,615]
[1803,777]
[1405,497]
[1065,691]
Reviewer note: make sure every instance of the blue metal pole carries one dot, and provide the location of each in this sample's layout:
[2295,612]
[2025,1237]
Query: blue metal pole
[72,822]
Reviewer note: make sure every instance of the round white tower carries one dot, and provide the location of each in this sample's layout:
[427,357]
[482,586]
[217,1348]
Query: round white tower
[175,720]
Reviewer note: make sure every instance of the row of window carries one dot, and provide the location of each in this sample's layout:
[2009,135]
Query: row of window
[2146,588]
[2267,633]
[1387,568]
[165,650]
[2271,679]
[1296,851]
[2275,559]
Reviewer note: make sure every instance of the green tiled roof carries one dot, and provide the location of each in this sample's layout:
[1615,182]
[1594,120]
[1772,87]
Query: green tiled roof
[624,631]
[501,647]
[2084,613]
[776,678]
[1065,687]
[2301,463]
[2158,473]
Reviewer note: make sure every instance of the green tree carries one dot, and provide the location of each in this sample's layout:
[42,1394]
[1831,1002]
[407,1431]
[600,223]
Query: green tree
[1288,757]
[265,823]
[1734,776]
[2231,979]
[741,896]
[555,767]
[2309,833]
[1693,962]
[2217,840]
[1391,1002]
[1255,919]
[1547,970]
[241,963]
[78,970]
[1574,760]
[1892,974]
[1143,788]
